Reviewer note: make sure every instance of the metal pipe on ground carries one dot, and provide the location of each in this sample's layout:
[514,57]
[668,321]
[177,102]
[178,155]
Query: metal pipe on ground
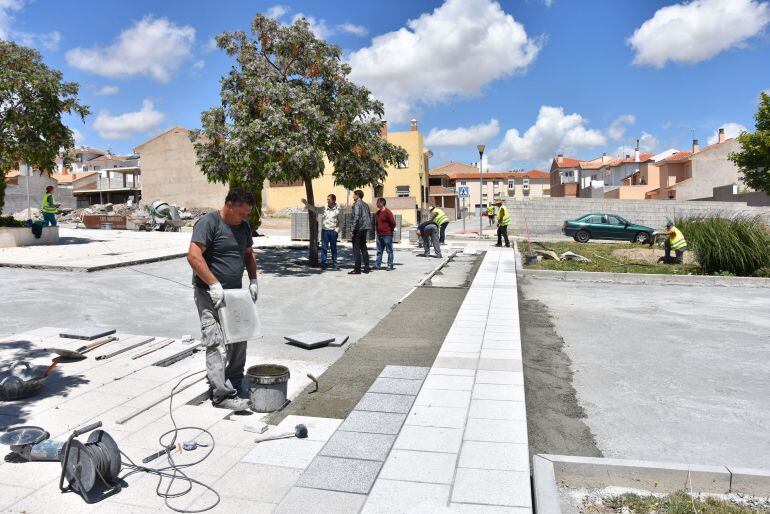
[126,349]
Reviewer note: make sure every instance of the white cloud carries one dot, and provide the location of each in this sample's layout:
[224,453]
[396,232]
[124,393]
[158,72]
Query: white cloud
[464,136]
[78,135]
[199,65]
[548,3]
[552,132]
[451,52]
[49,40]
[210,45]
[696,31]
[153,46]
[123,126]
[107,90]
[277,11]
[731,130]
[618,127]
[317,26]
[647,143]
[356,30]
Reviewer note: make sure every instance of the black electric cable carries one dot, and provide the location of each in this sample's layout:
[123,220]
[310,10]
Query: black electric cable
[173,471]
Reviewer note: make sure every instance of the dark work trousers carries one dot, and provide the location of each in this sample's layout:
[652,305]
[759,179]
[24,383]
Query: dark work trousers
[359,249]
[443,231]
[679,253]
[502,232]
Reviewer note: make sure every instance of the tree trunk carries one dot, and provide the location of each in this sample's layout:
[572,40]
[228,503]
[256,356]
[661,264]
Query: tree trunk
[2,191]
[312,254]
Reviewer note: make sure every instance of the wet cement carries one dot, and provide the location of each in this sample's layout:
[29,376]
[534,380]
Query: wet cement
[410,335]
[554,417]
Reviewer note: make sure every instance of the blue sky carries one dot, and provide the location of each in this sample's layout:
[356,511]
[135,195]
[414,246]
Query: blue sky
[528,78]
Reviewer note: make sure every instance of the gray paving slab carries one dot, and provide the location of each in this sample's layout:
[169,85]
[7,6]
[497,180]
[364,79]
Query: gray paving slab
[398,496]
[497,456]
[443,398]
[496,431]
[373,422]
[338,474]
[257,482]
[456,362]
[87,333]
[408,372]
[396,386]
[418,466]
[456,383]
[381,402]
[310,339]
[481,486]
[359,445]
[496,409]
[500,364]
[302,499]
[429,439]
[291,453]
[434,416]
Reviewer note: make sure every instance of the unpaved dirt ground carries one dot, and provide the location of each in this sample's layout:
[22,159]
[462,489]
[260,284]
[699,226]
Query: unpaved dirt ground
[554,418]
[650,255]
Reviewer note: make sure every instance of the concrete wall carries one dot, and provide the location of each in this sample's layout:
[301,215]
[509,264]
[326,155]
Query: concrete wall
[546,216]
[169,173]
[15,237]
[16,194]
[730,194]
[710,168]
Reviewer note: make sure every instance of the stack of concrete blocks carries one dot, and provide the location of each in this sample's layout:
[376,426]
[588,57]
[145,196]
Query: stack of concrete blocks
[546,216]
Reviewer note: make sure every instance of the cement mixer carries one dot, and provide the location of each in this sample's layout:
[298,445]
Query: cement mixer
[162,216]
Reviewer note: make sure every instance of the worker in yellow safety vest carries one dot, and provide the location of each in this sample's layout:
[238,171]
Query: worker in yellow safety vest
[503,220]
[49,208]
[441,219]
[491,214]
[676,242]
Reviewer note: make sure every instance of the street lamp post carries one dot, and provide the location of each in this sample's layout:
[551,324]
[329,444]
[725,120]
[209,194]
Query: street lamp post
[481,188]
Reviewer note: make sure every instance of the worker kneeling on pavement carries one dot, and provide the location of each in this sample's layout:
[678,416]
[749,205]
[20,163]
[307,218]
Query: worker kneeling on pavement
[428,231]
[442,221]
[503,220]
[676,242]
[221,247]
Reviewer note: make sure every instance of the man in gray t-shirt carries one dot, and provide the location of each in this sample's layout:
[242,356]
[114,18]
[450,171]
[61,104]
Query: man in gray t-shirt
[220,248]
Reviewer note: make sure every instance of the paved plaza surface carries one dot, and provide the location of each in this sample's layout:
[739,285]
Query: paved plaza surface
[667,373]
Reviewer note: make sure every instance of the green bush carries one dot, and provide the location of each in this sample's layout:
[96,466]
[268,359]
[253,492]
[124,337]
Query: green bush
[739,245]
[9,221]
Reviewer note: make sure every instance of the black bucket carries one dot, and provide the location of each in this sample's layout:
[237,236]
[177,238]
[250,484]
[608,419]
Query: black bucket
[268,385]
[530,258]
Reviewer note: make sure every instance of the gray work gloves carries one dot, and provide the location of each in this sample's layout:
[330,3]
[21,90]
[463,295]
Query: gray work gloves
[254,289]
[217,294]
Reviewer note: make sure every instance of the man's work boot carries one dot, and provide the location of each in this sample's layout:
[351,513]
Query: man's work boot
[234,404]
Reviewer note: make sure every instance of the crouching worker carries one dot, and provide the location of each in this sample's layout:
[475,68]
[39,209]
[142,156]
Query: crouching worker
[221,247]
[675,241]
[429,232]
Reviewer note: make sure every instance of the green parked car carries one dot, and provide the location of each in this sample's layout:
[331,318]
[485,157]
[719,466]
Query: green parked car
[606,226]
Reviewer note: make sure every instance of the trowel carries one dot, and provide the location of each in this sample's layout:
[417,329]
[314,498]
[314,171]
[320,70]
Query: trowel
[79,353]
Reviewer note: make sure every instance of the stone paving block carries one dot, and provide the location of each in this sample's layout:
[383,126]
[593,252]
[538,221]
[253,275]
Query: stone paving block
[302,499]
[229,504]
[86,333]
[451,383]
[433,416]
[373,422]
[358,445]
[500,377]
[454,362]
[498,456]
[445,354]
[407,372]
[292,453]
[399,403]
[496,431]
[319,429]
[337,474]
[443,398]
[396,386]
[497,409]
[461,347]
[396,496]
[310,339]
[429,439]
[257,482]
[453,371]
[414,466]
[500,354]
[500,364]
[498,392]
[508,488]
[20,500]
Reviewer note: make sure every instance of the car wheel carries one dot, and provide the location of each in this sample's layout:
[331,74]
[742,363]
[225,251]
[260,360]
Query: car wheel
[582,236]
[641,238]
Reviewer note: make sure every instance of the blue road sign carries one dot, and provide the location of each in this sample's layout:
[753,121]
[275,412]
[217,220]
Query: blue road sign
[463,191]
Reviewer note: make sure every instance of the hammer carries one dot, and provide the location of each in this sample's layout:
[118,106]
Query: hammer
[300,432]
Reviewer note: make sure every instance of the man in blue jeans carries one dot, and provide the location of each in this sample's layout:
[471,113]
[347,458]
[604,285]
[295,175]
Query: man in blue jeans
[331,222]
[385,223]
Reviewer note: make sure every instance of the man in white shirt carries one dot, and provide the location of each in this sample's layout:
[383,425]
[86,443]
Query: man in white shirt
[331,222]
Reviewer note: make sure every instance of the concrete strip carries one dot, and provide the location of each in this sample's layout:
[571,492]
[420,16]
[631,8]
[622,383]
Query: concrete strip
[545,486]
[646,279]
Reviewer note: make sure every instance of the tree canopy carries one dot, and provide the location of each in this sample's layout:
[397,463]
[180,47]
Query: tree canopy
[32,99]
[754,158]
[286,106]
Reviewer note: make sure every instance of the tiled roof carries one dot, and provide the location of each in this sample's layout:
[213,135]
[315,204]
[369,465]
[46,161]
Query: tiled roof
[532,174]
[567,162]
[452,167]
[678,157]
[63,179]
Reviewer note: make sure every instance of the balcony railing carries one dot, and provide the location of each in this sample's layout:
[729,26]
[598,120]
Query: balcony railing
[96,182]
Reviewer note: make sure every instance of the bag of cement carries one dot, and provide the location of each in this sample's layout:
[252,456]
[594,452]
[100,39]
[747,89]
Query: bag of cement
[571,256]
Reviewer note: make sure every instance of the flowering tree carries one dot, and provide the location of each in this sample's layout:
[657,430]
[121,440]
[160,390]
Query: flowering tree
[32,100]
[287,105]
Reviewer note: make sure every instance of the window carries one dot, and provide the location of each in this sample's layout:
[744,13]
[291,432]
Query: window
[525,182]
[614,220]
[511,183]
[403,165]
[484,198]
[402,191]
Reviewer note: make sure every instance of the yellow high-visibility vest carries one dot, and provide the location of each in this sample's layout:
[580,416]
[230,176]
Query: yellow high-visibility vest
[677,242]
[440,217]
[49,204]
[491,210]
[502,216]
